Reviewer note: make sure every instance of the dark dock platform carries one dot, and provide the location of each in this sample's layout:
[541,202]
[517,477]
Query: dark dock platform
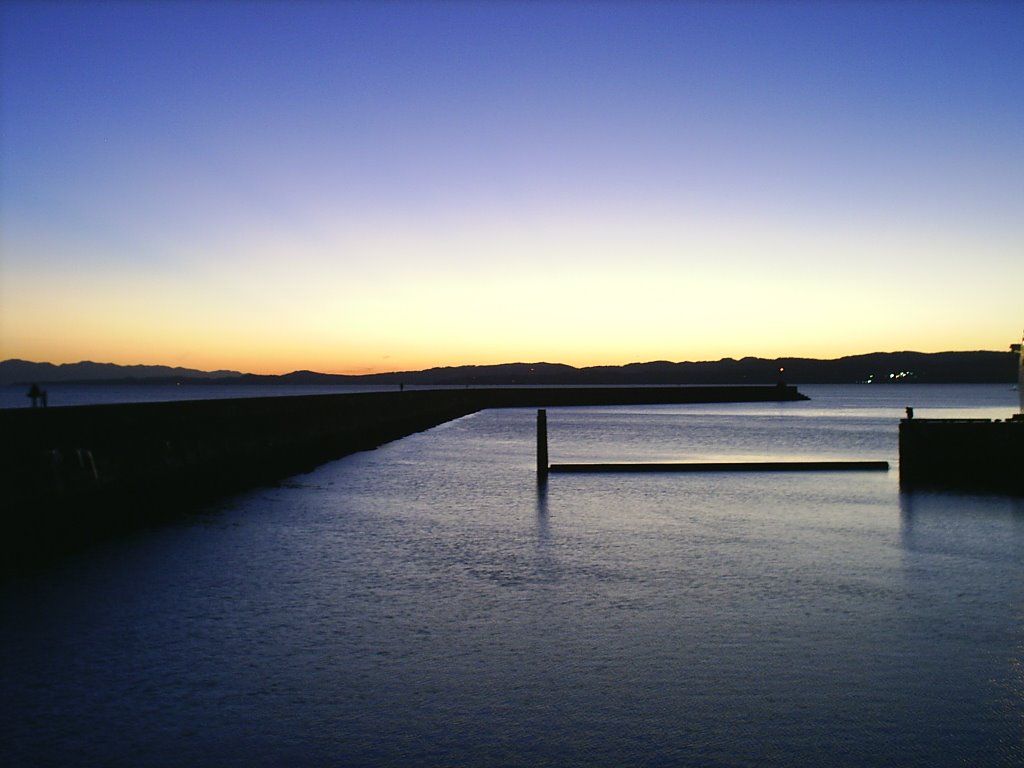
[71,475]
[968,454]
[726,466]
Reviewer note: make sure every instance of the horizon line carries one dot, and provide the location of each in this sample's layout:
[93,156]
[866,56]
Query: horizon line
[497,365]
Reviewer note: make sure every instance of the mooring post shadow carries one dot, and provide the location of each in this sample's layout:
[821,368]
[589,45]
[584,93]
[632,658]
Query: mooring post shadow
[542,444]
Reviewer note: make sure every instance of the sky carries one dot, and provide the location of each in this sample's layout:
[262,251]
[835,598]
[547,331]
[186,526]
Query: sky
[359,187]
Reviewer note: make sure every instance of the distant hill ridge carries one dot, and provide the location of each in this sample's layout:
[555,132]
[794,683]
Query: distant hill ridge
[24,371]
[922,367]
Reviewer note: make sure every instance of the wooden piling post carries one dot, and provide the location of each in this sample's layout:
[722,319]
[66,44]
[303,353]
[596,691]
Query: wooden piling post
[542,444]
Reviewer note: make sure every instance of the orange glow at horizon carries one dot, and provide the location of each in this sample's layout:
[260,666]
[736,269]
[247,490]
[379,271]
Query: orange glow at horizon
[565,293]
[273,356]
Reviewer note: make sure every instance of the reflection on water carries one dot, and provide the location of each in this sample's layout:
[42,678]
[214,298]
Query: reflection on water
[430,603]
[962,556]
[543,531]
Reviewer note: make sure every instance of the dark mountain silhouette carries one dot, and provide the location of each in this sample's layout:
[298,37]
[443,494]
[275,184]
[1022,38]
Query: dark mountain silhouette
[921,367]
[943,367]
[24,371]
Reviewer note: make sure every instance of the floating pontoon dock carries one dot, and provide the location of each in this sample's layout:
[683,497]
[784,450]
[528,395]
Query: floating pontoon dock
[544,468]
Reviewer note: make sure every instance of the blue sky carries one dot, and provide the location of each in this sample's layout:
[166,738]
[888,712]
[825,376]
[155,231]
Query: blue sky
[375,186]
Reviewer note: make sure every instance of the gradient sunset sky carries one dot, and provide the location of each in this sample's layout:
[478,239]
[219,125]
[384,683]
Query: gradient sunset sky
[355,187]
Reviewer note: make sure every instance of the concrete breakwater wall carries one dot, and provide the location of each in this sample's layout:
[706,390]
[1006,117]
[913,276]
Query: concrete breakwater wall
[69,476]
[963,453]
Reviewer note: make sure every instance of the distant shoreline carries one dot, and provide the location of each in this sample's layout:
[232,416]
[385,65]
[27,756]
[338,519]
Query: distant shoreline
[980,367]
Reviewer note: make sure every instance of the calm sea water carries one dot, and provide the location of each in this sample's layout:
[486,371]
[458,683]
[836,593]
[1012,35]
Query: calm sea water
[428,603]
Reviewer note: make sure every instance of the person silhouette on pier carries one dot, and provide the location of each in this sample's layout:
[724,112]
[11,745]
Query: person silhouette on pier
[37,395]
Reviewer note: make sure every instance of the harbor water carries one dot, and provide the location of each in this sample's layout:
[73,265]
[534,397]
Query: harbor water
[429,603]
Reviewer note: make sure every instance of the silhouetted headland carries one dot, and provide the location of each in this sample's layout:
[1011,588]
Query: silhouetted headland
[76,474]
[876,367]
